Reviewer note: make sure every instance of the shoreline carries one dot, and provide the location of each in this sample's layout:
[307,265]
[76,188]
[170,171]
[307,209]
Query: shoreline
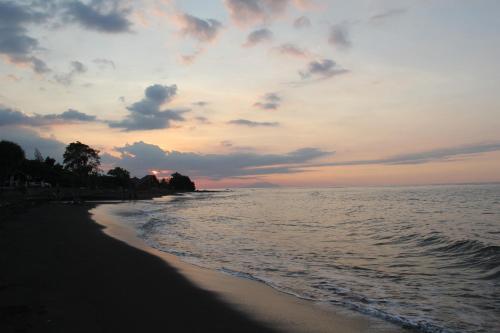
[275,308]
[77,268]
[61,273]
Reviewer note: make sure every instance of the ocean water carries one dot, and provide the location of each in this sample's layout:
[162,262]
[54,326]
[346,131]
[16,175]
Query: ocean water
[422,257]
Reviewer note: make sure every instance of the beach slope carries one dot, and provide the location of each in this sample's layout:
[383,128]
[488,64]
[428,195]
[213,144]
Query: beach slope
[61,273]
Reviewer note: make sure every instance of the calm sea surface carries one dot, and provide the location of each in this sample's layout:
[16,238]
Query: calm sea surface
[426,257]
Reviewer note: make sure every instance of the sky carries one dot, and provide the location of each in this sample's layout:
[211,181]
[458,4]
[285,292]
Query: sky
[259,92]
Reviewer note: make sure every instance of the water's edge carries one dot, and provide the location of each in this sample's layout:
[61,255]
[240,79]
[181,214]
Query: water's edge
[265,302]
[424,258]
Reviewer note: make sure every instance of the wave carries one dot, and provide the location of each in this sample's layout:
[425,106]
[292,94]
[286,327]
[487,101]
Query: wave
[420,324]
[426,272]
[267,282]
[474,254]
[469,253]
[350,301]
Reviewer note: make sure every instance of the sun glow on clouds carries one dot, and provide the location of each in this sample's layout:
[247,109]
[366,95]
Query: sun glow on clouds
[158,85]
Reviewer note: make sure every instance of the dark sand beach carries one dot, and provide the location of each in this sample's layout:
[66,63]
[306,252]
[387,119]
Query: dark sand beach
[62,273]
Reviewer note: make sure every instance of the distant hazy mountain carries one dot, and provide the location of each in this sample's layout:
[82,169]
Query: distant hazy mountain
[260,185]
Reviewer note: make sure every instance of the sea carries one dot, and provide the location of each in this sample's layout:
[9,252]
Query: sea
[424,257]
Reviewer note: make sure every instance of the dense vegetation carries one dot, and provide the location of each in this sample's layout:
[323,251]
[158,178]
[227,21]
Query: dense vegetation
[80,168]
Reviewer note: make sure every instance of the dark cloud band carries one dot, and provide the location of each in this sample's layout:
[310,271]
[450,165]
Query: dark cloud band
[13,117]
[250,123]
[137,156]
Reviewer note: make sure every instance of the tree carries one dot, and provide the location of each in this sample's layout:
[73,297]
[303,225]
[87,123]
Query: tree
[148,182]
[11,157]
[180,182]
[51,162]
[119,173]
[122,175]
[81,159]
[38,156]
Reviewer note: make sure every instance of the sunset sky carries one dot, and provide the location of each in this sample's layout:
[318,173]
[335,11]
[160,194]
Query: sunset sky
[245,92]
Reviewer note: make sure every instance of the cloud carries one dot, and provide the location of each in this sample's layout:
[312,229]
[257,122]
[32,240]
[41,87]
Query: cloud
[339,36]
[147,114]
[15,44]
[160,94]
[20,48]
[13,117]
[104,63]
[292,50]
[250,123]
[188,59]
[202,30]
[200,103]
[301,22]
[13,78]
[73,115]
[9,116]
[67,78]
[202,120]
[30,140]
[199,29]
[434,155]
[270,101]
[246,12]
[306,4]
[226,143]
[323,69]
[141,157]
[388,14]
[39,66]
[102,16]
[258,36]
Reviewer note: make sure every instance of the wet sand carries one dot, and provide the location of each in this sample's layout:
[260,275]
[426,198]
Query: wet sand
[61,273]
[274,308]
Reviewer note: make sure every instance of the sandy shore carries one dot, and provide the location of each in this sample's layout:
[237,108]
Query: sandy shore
[275,309]
[61,273]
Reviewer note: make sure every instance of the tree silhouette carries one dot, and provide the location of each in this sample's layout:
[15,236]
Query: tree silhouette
[38,155]
[81,159]
[11,157]
[180,182]
[122,175]
[80,168]
[51,162]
